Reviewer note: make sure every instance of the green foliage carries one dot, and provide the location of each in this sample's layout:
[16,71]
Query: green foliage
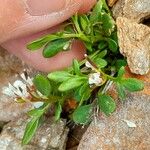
[112,45]
[101,63]
[82,115]
[132,84]
[76,67]
[42,84]
[59,76]
[33,124]
[121,72]
[96,29]
[85,83]
[106,104]
[85,91]
[54,47]
[121,91]
[58,110]
[41,42]
[84,22]
[102,45]
[30,130]
[72,83]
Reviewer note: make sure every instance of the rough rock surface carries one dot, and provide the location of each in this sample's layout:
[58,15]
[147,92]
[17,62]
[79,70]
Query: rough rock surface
[112,133]
[50,136]
[136,10]
[134,42]
[10,66]
[111,2]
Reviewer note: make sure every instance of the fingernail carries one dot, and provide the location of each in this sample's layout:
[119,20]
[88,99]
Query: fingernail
[43,7]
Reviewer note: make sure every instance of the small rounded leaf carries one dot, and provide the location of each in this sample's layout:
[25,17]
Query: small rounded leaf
[59,76]
[54,47]
[42,84]
[132,84]
[82,115]
[106,104]
[71,83]
[112,45]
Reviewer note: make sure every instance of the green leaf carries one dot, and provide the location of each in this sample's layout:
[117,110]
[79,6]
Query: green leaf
[108,24]
[101,63]
[54,47]
[84,22]
[72,83]
[121,91]
[30,130]
[76,95]
[37,44]
[85,91]
[36,112]
[75,20]
[102,45]
[121,72]
[82,115]
[95,14]
[68,29]
[112,45]
[59,76]
[114,36]
[102,54]
[42,84]
[105,5]
[106,104]
[58,110]
[88,46]
[132,84]
[76,67]
[120,63]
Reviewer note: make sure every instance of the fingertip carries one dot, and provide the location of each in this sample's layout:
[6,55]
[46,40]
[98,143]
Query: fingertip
[36,59]
[87,5]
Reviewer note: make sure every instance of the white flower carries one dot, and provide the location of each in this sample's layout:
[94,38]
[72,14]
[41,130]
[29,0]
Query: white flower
[37,104]
[95,79]
[89,65]
[18,89]
[9,91]
[27,79]
[24,90]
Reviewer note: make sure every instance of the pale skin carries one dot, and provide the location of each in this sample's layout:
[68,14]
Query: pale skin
[22,21]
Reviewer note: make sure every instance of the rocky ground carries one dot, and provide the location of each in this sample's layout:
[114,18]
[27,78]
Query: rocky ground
[126,129]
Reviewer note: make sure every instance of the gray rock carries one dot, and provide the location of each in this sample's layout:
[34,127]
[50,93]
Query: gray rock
[136,10]
[113,133]
[10,67]
[134,42]
[50,136]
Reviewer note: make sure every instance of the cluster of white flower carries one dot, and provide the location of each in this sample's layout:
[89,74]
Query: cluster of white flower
[94,78]
[19,90]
